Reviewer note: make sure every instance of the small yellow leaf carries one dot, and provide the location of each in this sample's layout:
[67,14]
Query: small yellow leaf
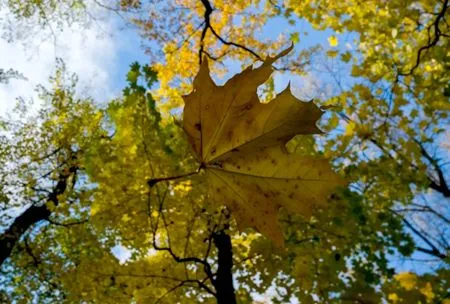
[333,41]
[407,280]
[349,128]
[126,218]
[394,33]
[295,38]
[393,297]
[332,53]
[95,208]
[427,291]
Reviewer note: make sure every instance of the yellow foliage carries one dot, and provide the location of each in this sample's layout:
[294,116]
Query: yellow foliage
[407,280]
[393,297]
[333,41]
[427,291]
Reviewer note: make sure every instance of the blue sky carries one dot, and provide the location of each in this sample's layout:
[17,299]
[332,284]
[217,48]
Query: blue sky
[100,55]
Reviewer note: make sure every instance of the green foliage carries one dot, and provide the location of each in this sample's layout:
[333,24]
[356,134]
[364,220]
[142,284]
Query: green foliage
[45,10]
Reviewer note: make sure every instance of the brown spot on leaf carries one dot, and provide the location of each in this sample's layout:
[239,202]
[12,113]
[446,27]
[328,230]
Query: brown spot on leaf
[198,126]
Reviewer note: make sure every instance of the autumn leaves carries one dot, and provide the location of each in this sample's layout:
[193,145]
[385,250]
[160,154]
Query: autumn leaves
[239,142]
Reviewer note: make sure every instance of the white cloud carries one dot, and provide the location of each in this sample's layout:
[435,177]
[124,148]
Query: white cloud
[121,253]
[90,52]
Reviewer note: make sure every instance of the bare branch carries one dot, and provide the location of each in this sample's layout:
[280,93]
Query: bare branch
[32,215]
[66,224]
[153,181]
[442,185]
[434,250]
[207,26]
[431,42]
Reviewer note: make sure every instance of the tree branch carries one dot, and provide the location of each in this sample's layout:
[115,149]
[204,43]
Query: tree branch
[203,262]
[31,216]
[66,224]
[434,251]
[153,181]
[442,186]
[207,26]
[431,43]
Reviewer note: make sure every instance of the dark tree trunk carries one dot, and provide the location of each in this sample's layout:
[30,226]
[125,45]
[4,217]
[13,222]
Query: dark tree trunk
[30,217]
[223,283]
[21,224]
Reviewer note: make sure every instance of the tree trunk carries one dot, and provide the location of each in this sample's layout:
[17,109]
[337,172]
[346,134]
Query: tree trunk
[21,224]
[31,216]
[224,280]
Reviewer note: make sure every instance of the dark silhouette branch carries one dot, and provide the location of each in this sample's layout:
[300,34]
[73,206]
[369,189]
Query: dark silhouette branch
[153,181]
[434,251]
[36,263]
[440,186]
[178,259]
[431,41]
[32,215]
[184,283]
[66,224]
[424,209]
[234,44]
[207,26]
[223,282]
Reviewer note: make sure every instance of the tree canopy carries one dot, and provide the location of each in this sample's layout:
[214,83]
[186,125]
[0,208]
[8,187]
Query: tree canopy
[187,179]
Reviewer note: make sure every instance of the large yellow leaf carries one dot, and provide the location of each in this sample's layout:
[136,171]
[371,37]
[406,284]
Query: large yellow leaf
[240,143]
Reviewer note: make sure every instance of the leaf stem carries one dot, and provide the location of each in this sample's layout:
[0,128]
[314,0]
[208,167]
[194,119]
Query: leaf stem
[153,181]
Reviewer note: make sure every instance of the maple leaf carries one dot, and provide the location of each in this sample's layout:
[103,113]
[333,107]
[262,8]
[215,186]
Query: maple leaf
[240,143]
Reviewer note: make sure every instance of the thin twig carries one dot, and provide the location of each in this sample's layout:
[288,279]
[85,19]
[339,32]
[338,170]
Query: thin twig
[207,26]
[431,43]
[153,181]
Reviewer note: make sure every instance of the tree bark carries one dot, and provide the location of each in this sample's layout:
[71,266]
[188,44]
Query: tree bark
[21,224]
[223,282]
[30,217]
